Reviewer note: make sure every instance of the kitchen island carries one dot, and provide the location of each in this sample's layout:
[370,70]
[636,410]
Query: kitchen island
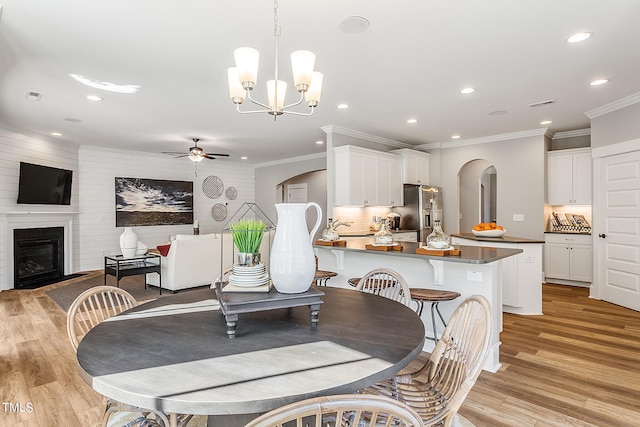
[477,270]
[521,274]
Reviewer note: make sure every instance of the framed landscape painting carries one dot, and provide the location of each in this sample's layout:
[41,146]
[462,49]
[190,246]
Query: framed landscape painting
[142,201]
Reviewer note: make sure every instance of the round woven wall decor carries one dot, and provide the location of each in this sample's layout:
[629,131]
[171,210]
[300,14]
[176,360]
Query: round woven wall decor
[219,212]
[212,187]
[231,193]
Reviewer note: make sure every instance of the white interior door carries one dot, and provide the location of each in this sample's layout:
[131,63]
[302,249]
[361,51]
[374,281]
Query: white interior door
[296,193]
[620,236]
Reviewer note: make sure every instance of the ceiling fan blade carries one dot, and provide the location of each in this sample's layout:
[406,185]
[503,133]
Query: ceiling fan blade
[217,154]
[172,152]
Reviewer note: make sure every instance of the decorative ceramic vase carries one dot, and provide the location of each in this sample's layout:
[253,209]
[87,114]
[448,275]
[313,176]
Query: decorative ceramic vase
[292,264]
[128,242]
[438,239]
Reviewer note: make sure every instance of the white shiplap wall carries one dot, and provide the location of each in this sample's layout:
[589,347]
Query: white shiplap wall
[14,148]
[100,166]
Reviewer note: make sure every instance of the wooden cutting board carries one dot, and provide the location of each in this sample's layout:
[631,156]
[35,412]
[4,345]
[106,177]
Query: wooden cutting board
[331,243]
[383,248]
[438,252]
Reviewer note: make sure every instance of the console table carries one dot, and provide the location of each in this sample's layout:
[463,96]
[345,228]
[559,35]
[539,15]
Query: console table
[119,266]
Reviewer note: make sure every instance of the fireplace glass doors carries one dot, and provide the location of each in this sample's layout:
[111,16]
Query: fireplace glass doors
[38,256]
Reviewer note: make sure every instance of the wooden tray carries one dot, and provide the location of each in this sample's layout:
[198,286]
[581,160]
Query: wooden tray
[438,252]
[383,248]
[331,243]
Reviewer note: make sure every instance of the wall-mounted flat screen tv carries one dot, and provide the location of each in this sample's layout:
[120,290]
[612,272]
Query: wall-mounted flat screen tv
[44,185]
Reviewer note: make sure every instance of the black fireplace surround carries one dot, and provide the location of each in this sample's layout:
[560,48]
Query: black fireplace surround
[38,256]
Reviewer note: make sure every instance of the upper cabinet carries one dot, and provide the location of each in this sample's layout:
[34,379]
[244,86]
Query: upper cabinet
[416,166]
[569,177]
[366,177]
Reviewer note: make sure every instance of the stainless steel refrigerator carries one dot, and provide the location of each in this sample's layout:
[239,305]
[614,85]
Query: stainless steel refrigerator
[422,206]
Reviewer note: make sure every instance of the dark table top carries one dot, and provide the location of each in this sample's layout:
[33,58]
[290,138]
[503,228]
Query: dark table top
[173,354]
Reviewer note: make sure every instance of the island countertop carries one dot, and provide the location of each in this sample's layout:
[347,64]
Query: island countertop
[503,239]
[469,254]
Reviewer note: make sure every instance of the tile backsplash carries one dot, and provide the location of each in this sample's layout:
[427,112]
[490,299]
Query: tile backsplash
[361,218]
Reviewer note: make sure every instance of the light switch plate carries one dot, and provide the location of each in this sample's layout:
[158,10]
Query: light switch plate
[475,276]
[518,217]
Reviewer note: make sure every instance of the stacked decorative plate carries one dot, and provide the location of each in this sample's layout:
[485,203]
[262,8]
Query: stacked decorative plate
[249,277]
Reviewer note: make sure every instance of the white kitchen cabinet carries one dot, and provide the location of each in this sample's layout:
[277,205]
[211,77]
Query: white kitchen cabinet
[521,275]
[416,166]
[366,177]
[568,258]
[569,177]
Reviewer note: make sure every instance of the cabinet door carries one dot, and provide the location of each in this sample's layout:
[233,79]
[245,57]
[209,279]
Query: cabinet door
[557,261]
[560,179]
[396,188]
[383,183]
[368,181]
[581,263]
[422,170]
[582,179]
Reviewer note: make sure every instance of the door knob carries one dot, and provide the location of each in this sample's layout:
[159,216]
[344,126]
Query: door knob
[602,235]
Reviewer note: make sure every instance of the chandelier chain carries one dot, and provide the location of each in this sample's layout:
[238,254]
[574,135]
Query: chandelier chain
[276,27]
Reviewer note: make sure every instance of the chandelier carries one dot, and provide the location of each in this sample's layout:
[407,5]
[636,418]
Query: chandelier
[243,77]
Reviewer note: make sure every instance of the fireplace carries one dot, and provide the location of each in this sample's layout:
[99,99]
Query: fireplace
[38,256]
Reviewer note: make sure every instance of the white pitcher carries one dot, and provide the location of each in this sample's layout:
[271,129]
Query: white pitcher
[292,261]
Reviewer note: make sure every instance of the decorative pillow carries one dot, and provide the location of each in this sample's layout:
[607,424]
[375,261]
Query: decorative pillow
[163,249]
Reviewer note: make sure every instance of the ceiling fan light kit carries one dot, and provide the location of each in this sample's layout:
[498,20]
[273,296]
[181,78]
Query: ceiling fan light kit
[243,77]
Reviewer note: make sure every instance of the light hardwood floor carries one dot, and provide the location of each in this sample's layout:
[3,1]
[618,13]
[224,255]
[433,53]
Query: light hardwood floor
[578,365]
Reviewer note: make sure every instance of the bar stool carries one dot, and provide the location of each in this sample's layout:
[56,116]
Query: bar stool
[322,276]
[435,297]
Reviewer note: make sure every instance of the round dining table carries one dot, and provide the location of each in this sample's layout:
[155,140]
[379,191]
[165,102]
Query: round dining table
[173,355]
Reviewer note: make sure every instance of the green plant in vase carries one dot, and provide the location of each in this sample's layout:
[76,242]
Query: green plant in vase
[247,237]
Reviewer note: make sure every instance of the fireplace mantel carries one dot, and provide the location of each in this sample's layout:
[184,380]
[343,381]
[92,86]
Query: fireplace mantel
[11,220]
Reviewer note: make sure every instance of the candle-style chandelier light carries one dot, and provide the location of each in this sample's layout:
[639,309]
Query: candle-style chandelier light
[243,77]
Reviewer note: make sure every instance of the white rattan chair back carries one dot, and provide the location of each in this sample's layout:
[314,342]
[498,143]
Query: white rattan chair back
[341,410]
[387,283]
[459,356]
[94,306]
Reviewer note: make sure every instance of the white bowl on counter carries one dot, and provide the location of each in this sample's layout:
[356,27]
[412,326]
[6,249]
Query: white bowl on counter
[489,233]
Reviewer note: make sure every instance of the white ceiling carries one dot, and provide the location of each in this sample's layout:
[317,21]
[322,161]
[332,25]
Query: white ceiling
[410,63]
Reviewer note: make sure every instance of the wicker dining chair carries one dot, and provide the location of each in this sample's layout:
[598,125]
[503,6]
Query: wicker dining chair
[341,411]
[437,390]
[387,283]
[90,308]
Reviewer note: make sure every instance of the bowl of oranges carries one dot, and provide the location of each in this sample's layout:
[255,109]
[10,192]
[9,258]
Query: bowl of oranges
[488,229]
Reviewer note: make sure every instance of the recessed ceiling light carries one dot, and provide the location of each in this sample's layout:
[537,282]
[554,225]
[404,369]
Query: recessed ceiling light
[578,37]
[243,158]
[467,90]
[319,142]
[343,106]
[94,98]
[354,24]
[412,121]
[599,82]
[546,122]
[111,87]
[455,137]
[56,134]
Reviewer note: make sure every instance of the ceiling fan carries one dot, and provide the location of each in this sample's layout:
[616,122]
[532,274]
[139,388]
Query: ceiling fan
[196,154]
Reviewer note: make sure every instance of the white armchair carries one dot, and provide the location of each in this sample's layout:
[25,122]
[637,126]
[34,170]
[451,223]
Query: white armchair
[195,260]
[192,261]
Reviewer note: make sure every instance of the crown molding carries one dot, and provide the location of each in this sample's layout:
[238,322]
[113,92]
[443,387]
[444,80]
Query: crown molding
[487,139]
[613,106]
[572,133]
[365,136]
[290,160]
